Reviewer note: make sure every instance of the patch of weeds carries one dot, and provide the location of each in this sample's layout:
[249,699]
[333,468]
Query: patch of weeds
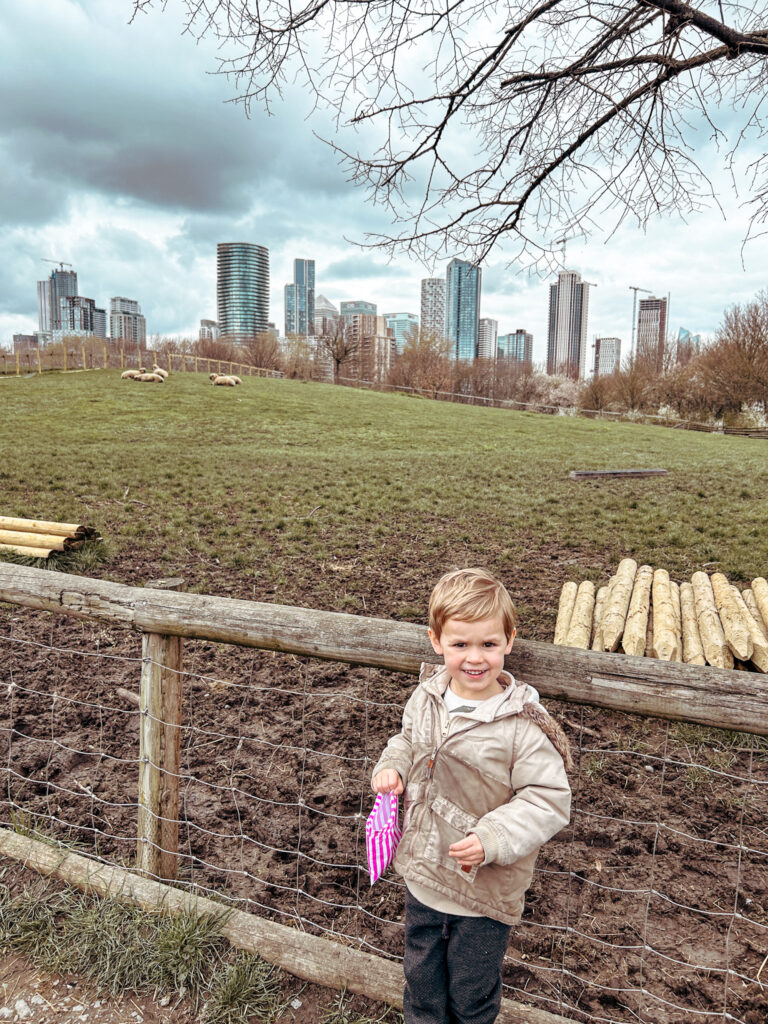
[341,1013]
[120,947]
[248,987]
[596,767]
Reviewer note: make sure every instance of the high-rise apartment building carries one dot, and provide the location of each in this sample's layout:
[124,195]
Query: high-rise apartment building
[567,330]
[300,299]
[433,305]
[208,331]
[651,332]
[61,284]
[607,356]
[377,349]
[403,326]
[359,320]
[79,316]
[242,290]
[126,321]
[488,332]
[517,346]
[463,282]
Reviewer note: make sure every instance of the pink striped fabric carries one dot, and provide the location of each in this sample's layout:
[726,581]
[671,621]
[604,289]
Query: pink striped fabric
[382,834]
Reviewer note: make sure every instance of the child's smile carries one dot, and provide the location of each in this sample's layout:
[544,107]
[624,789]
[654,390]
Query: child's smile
[474,655]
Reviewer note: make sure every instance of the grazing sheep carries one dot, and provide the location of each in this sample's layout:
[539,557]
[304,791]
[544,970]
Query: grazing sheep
[129,375]
[213,376]
[158,369]
[150,378]
[227,382]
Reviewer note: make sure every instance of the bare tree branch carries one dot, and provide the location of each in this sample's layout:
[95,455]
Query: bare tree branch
[511,119]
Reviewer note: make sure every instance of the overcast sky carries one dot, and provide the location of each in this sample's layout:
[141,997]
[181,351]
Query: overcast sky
[120,154]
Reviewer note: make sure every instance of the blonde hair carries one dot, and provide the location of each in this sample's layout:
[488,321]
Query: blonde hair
[470,595]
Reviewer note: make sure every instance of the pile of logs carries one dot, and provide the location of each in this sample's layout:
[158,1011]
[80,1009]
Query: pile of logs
[38,539]
[642,612]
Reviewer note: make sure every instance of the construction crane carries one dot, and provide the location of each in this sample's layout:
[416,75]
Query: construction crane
[635,289]
[62,264]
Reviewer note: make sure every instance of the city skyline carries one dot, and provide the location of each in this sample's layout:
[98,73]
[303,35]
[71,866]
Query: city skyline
[137,211]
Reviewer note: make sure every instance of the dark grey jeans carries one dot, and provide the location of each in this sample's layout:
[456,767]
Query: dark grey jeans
[452,966]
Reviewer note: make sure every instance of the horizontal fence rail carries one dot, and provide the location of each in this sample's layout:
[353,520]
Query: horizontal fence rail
[669,690]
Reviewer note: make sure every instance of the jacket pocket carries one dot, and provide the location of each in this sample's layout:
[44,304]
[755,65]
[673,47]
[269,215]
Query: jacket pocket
[413,796]
[452,823]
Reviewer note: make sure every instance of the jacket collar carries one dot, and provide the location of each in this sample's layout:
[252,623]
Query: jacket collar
[435,679]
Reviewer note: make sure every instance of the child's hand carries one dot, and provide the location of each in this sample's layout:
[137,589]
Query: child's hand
[468,851]
[388,781]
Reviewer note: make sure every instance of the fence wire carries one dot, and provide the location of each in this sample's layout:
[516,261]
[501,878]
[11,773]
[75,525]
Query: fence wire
[651,906]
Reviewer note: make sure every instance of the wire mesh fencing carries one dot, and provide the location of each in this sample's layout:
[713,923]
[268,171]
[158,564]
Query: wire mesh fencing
[652,905]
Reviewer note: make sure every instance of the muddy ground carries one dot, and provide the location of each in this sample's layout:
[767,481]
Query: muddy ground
[651,906]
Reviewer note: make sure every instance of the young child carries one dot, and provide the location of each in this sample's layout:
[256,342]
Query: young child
[482,766]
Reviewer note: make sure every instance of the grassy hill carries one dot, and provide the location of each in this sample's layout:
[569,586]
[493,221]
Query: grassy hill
[352,500]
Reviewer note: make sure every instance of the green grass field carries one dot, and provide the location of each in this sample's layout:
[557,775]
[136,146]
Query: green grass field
[352,500]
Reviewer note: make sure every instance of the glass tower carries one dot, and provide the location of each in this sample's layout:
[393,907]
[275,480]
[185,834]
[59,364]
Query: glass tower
[300,299]
[242,289]
[462,307]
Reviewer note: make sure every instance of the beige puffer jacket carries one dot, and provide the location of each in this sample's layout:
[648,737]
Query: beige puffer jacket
[502,778]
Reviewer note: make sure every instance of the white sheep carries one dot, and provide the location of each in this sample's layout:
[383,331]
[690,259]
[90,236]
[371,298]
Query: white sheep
[223,381]
[235,379]
[158,369]
[150,378]
[129,375]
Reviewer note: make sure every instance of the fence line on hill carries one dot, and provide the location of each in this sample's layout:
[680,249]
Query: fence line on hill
[542,407]
[109,357]
[271,783]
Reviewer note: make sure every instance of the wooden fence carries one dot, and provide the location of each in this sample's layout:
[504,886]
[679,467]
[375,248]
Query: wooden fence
[164,616]
[94,356]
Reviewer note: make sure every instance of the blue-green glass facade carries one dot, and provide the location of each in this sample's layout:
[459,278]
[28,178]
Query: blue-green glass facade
[300,299]
[462,307]
[242,289]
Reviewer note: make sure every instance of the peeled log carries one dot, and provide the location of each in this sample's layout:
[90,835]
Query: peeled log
[734,623]
[757,636]
[580,626]
[564,612]
[751,603]
[43,526]
[674,593]
[716,650]
[760,591]
[597,615]
[636,625]
[618,603]
[693,652]
[36,540]
[666,646]
[21,549]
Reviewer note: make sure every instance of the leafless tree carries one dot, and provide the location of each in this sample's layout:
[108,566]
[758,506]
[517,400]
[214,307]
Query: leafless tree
[579,112]
[340,345]
[425,363]
[262,350]
[734,368]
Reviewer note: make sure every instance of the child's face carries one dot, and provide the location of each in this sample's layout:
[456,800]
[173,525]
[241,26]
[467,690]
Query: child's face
[474,655]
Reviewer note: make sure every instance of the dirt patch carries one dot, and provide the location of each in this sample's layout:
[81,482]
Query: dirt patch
[652,904]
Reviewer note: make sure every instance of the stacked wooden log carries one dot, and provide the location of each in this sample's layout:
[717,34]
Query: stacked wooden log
[39,539]
[642,612]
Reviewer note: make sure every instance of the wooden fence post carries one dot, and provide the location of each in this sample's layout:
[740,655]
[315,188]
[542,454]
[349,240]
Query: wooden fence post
[160,706]
[39,364]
